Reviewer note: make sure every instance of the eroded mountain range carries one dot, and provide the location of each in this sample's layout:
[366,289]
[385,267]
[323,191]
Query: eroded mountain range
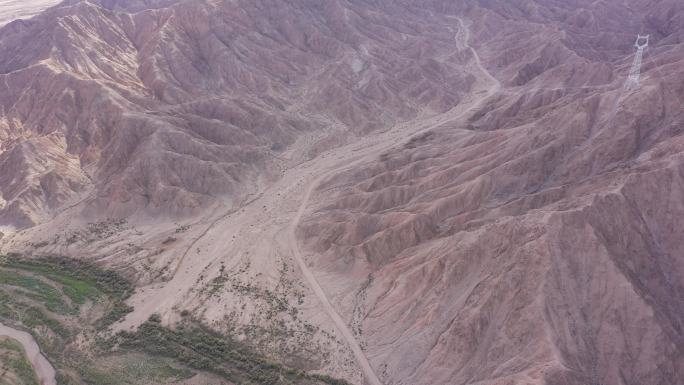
[389,192]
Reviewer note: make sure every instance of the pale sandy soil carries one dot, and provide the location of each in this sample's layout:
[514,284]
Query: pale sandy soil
[270,218]
[44,371]
[22,9]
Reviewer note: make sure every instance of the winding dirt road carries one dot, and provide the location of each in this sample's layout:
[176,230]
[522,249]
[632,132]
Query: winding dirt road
[372,379]
[265,225]
[44,370]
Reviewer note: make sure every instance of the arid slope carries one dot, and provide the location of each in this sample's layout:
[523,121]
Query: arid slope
[21,9]
[537,241]
[396,192]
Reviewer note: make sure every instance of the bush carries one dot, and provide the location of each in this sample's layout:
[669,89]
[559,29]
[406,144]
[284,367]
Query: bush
[202,349]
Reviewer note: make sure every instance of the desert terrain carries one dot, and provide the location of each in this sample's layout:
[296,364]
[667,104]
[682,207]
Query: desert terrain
[361,192]
[20,9]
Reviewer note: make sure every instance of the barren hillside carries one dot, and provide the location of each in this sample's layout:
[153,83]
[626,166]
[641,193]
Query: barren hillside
[20,9]
[387,192]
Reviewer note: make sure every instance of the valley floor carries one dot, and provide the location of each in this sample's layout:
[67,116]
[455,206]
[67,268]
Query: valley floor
[270,219]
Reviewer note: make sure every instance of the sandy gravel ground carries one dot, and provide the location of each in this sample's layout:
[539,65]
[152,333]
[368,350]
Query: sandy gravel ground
[22,9]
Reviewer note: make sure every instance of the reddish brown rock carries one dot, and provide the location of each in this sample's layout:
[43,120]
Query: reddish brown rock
[451,192]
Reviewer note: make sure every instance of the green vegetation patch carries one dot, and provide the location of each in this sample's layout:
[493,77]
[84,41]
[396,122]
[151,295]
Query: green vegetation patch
[81,280]
[68,304]
[133,369]
[14,365]
[78,281]
[37,290]
[31,316]
[48,296]
[200,348]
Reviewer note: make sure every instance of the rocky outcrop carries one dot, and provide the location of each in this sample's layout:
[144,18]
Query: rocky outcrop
[525,232]
[536,242]
[185,105]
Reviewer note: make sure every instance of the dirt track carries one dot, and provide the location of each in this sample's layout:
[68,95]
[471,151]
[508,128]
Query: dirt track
[265,225]
[361,358]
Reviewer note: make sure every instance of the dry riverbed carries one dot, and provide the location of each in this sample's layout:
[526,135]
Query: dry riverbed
[42,367]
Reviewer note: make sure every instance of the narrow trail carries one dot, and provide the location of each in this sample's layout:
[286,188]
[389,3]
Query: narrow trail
[464,40]
[279,208]
[42,367]
[371,151]
[354,345]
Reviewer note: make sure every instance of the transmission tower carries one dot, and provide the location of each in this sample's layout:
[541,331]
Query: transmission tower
[635,73]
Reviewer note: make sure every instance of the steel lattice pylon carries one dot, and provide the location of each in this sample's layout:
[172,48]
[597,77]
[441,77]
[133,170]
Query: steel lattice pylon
[635,73]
